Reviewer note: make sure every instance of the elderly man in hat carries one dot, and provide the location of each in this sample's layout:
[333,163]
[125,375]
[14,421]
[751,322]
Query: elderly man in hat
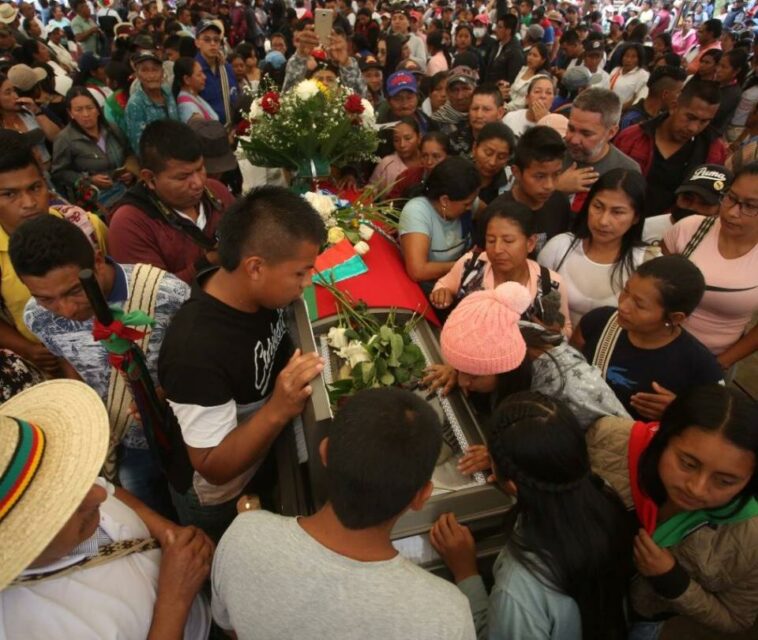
[220,89]
[78,557]
[461,82]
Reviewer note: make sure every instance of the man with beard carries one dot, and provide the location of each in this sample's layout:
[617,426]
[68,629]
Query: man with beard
[700,194]
[593,123]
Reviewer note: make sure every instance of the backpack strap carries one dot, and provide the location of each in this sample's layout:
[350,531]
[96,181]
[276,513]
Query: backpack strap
[226,92]
[700,233]
[144,285]
[607,343]
[545,282]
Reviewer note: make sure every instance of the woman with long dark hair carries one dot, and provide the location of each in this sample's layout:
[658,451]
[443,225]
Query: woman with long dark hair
[691,480]
[537,63]
[89,152]
[563,571]
[189,81]
[604,248]
[730,74]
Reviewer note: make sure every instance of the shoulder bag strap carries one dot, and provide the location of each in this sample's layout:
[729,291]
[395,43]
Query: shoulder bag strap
[700,233]
[226,92]
[143,287]
[607,343]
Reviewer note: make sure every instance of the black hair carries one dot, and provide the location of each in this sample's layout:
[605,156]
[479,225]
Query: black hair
[45,243]
[641,58]
[454,177]
[510,22]
[714,27]
[680,283]
[542,48]
[633,184]
[497,131]
[666,38]
[662,78]
[713,53]
[749,169]
[673,60]
[538,144]
[164,140]
[322,65]
[573,532]
[411,122]
[83,92]
[383,445]
[434,41]
[706,90]
[489,89]
[17,157]
[436,80]
[738,60]
[570,36]
[507,209]
[183,67]
[713,408]
[440,138]
[267,222]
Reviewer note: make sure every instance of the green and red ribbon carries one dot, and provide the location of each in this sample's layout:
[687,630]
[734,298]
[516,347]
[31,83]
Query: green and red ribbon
[118,337]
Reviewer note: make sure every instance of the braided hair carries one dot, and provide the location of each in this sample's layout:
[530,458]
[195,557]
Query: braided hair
[572,532]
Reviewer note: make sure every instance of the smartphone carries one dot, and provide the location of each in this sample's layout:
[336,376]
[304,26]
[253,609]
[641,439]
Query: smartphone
[323,25]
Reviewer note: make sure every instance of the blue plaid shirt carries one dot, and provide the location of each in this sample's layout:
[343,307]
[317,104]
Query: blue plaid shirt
[141,111]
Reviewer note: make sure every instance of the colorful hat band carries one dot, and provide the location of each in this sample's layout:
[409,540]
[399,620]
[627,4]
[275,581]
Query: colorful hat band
[23,465]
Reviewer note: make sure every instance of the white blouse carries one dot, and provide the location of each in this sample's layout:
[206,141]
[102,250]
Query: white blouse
[627,85]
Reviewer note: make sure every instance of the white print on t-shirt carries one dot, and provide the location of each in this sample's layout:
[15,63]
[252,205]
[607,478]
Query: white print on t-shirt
[264,354]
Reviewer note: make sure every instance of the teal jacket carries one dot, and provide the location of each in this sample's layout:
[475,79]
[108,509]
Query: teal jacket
[141,111]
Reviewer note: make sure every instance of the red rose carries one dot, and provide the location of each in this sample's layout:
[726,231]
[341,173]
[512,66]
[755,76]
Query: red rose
[353,104]
[270,102]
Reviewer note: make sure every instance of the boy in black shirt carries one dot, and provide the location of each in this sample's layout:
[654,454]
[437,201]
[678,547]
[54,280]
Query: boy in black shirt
[225,363]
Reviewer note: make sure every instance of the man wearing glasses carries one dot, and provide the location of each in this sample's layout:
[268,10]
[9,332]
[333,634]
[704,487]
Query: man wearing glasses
[220,84]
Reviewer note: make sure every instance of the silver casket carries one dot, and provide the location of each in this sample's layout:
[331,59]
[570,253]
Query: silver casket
[301,474]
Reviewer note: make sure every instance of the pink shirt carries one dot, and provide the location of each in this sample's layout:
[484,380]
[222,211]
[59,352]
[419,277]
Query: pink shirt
[682,44]
[731,294]
[452,280]
[387,172]
[436,63]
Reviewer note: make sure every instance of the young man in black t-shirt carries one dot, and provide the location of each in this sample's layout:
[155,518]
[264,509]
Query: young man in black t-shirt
[225,363]
[537,164]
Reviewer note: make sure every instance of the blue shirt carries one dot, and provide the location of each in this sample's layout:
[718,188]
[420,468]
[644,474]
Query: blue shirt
[141,111]
[213,93]
[72,339]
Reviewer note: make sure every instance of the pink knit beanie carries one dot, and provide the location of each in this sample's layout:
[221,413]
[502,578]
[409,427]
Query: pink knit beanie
[481,336]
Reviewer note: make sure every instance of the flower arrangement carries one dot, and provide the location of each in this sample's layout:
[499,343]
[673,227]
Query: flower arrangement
[374,354]
[310,128]
[356,220]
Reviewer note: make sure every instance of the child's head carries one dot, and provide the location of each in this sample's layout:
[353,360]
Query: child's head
[704,454]
[379,456]
[270,238]
[481,338]
[538,162]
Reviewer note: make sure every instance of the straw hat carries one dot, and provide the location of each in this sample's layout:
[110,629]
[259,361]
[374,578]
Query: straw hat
[54,455]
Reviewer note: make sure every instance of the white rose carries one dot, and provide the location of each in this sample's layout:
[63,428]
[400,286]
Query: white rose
[323,204]
[361,248]
[306,89]
[368,117]
[355,353]
[365,232]
[336,337]
[256,111]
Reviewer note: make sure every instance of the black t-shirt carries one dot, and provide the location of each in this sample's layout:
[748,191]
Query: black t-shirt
[221,361]
[681,364]
[552,218]
[666,176]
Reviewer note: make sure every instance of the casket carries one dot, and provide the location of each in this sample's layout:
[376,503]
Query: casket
[302,476]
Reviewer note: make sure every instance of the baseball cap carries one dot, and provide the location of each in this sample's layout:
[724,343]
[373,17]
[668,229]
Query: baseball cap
[401,81]
[23,77]
[462,74]
[709,181]
[593,46]
[91,61]
[369,62]
[144,55]
[482,18]
[576,77]
[204,25]
[10,138]
[535,32]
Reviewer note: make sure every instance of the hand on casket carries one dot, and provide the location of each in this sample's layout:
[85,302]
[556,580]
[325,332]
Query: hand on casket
[476,458]
[440,376]
[456,546]
[293,385]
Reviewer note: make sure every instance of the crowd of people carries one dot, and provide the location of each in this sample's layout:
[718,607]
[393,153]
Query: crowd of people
[576,186]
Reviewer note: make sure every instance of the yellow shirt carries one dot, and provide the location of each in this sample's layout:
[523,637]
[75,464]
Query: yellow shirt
[14,293]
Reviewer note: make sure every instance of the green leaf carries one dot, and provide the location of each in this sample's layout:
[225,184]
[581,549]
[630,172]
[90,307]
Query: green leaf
[402,375]
[352,334]
[385,333]
[397,345]
[368,372]
[381,367]
[387,379]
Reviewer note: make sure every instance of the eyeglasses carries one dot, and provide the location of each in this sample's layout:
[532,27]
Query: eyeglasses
[746,209]
[211,40]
